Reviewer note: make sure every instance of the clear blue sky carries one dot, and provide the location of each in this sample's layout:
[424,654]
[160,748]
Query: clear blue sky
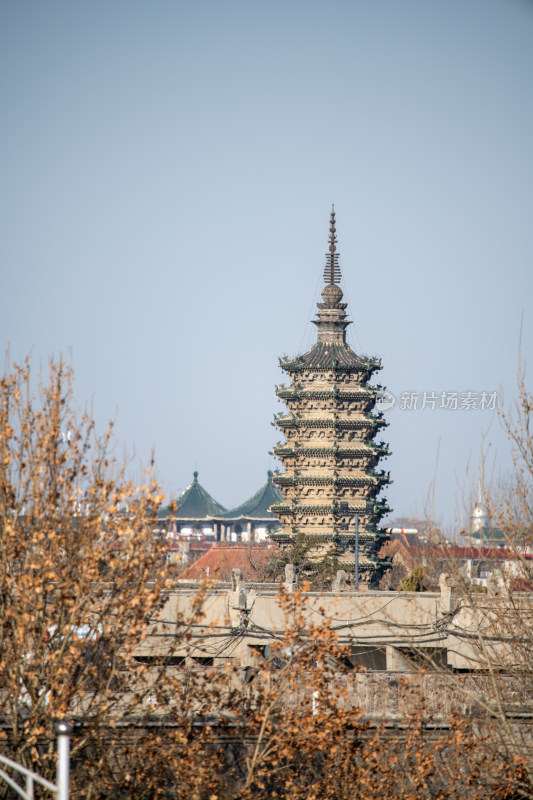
[167,174]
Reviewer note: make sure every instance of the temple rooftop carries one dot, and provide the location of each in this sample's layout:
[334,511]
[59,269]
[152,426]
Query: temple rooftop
[257,506]
[195,503]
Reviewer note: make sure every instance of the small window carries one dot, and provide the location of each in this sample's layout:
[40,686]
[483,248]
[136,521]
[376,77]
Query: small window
[367,657]
[203,661]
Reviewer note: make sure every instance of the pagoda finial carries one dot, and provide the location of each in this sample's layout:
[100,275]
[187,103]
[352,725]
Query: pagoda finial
[332,270]
[332,320]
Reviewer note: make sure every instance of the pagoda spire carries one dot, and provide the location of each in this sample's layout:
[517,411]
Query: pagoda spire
[332,270]
[332,321]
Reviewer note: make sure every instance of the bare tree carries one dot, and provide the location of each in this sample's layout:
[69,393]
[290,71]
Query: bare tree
[80,579]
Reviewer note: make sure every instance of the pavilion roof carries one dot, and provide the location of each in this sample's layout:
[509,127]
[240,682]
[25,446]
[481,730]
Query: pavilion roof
[195,503]
[257,506]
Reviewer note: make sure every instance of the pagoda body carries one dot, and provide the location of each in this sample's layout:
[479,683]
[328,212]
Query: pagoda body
[330,455]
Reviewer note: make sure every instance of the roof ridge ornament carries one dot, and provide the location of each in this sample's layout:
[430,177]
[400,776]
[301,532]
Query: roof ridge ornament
[332,270]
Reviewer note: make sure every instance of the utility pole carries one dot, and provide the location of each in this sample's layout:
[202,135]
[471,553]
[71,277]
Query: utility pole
[369,509]
[356,576]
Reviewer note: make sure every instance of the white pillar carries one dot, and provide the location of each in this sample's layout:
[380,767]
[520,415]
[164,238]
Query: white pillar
[396,661]
[63,730]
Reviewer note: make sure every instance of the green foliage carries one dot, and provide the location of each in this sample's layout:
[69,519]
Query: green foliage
[414,582]
[318,574]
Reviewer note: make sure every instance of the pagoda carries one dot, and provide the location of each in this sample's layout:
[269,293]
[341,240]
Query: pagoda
[330,454]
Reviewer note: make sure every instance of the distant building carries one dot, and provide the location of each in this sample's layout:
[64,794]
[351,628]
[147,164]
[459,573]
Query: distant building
[479,566]
[483,532]
[197,515]
[222,558]
[253,520]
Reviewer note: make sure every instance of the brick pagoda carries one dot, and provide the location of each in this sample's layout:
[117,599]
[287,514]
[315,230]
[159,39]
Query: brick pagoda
[330,455]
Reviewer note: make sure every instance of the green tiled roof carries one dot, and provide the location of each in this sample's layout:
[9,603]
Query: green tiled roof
[369,449]
[195,503]
[367,421]
[257,507]
[326,394]
[334,355]
[326,479]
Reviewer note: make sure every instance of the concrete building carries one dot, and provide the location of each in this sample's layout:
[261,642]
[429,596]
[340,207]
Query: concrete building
[385,631]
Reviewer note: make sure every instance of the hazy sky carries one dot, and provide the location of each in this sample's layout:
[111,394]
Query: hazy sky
[168,170]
